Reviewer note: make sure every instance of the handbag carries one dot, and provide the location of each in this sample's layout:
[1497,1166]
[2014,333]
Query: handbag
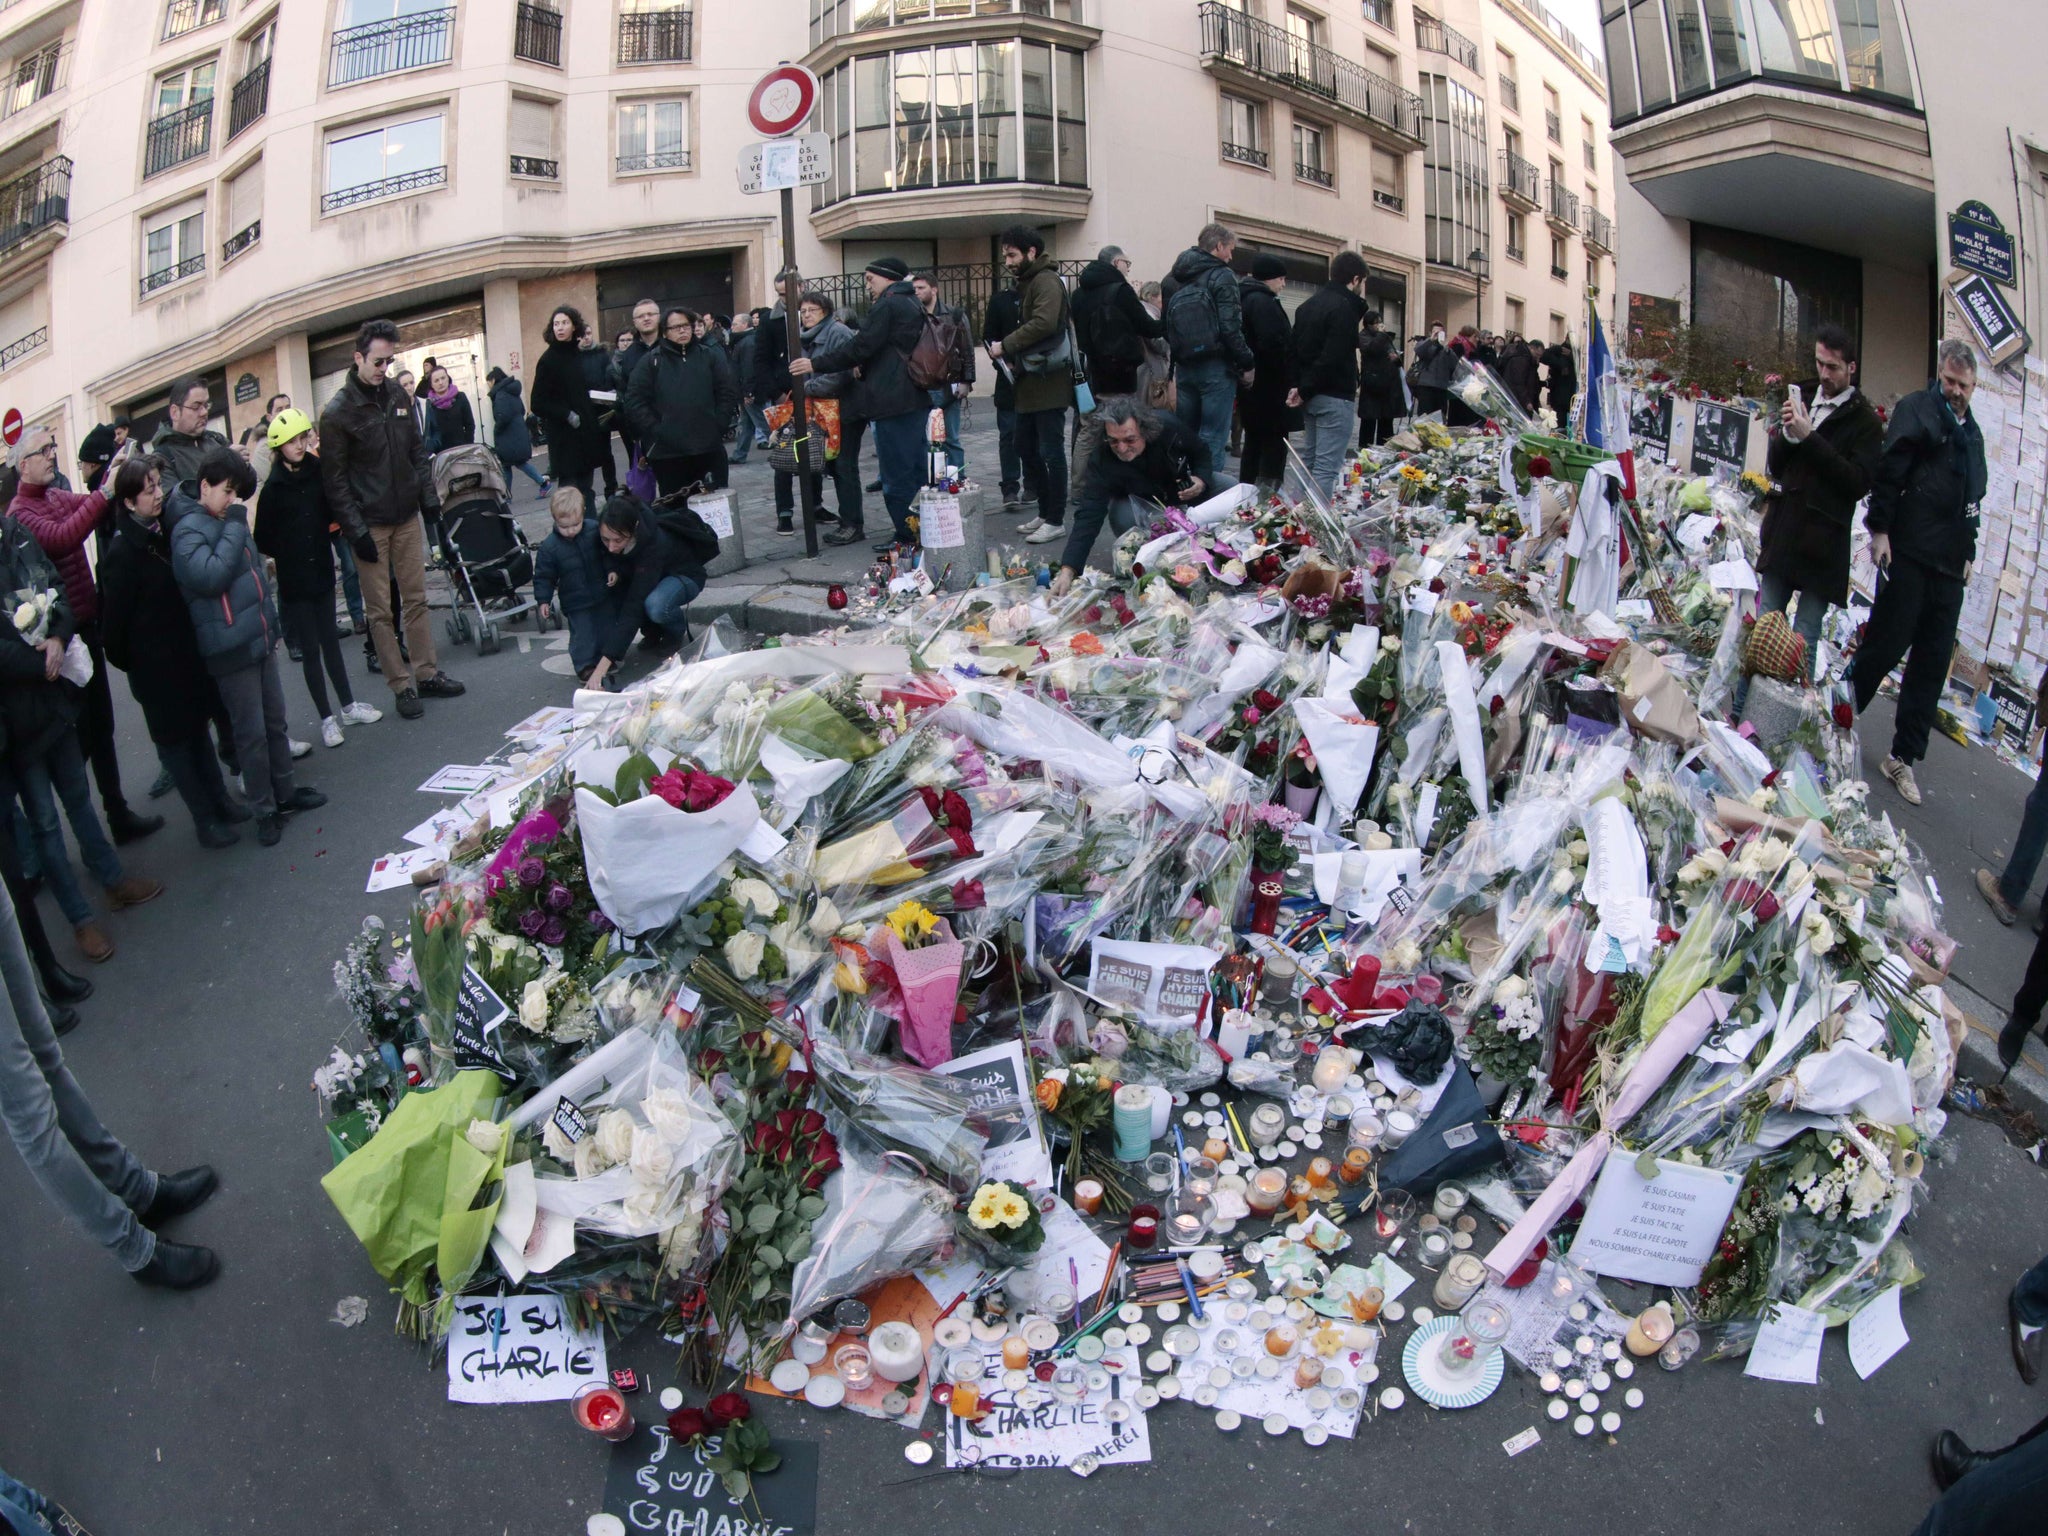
[782,435]
[1056,352]
[1774,649]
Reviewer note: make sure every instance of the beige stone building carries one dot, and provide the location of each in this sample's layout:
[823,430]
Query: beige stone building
[228,187]
[1793,161]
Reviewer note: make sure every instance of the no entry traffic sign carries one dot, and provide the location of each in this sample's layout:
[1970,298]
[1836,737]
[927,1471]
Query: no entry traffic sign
[782,100]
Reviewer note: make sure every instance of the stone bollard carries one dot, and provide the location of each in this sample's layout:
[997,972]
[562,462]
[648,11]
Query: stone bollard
[1775,709]
[716,509]
[951,530]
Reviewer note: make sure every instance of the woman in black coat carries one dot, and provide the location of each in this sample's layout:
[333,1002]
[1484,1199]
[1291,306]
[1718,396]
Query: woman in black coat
[450,422]
[510,440]
[678,401]
[561,399]
[1381,401]
[147,630]
[1262,404]
[597,428]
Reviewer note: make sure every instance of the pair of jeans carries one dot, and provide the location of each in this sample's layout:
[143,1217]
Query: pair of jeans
[402,558]
[1006,451]
[1326,438]
[1774,595]
[587,627]
[2027,848]
[899,451]
[351,583]
[25,1510]
[87,1174]
[666,604]
[943,399]
[59,774]
[1206,392]
[2001,1498]
[310,623]
[1914,617]
[525,467]
[255,700]
[195,768]
[1042,445]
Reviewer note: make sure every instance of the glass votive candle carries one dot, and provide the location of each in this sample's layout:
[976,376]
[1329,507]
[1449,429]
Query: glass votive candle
[1366,1130]
[1333,1065]
[1199,1177]
[1400,1126]
[1462,1279]
[1159,1172]
[1087,1196]
[1056,1300]
[1016,1353]
[1683,1345]
[1283,1047]
[1352,1169]
[1188,1222]
[1268,1187]
[1436,1247]
[1396,1210]
[1322,1177]
[1650,1332]
[1450,1201]
[601,1408]
[852,1364]
[1281,1339]
[1267,1122]
[1480,1331]
[1277,990]
[1070,1381]
[1143,1230]
[964,1370]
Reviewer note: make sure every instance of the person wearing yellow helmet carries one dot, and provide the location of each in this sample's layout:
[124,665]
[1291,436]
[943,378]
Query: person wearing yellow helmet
[292,522]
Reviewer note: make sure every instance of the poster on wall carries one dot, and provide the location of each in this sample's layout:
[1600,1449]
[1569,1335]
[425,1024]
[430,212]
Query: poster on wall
[1720,438]
[1652,325]
[1991,319]
[1649,423]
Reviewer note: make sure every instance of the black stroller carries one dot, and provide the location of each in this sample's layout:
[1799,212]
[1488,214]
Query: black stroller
[489,559]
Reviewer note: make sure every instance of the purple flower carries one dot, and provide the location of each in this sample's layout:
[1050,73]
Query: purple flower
[599,921]
[560,897]
[531,873]
[555,931]
[532,921]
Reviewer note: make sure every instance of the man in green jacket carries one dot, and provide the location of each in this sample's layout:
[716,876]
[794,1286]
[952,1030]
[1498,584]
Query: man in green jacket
[1042,397]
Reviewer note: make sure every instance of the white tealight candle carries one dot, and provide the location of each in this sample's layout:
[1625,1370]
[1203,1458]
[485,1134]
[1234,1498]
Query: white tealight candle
[1633,1397]
[1561,1357]
[1624,1369]
[1549,1381]
[1574,1387]
[1559,1408]
[1583,1424]
[1610,1421]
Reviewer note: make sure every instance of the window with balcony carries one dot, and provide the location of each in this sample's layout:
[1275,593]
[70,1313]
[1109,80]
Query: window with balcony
[1588,148]
[535,132]
[653,136]
[34,201]
[1432,36]
[1304,38]
[1560,255]
[24,326]
[1312,162]
[173,246]
[956,115]
[386,37]
[1509,76]
[1236,41]
[36,76]
[1379,12]
[537,34]
[182,16]
[1518,237]
[1456,212]
[245,212]
[181,126]
[1383,64]
[835,18]
[393,159]
[250,97]
[1389,180]
[1553,115]
[654,32]
[1519,182]
[1244,137]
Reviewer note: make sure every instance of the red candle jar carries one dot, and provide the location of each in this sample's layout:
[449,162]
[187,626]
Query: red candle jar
[602,1410]
[1525,1271]
[1144,1228]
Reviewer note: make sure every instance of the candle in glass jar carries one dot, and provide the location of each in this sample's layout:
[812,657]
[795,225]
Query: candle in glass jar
[1144,1228]
[1088,1196]
[1650,1331]
[1268,1186]
[1459,1282]
[1333,1066]
[1268,1121]
[1278,987]
[1400,1126]
[601,1409]
[1352,1169]
[1450,1201]
[852,1364]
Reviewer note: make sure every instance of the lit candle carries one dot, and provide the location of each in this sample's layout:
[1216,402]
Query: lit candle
[1267,1187]
[853,1365]
[1088,1196]
[1651,1331]
[601,1409]
[1352,1169]
[1333,1066]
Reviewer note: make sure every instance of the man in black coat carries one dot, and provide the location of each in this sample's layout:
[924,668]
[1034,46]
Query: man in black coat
[1518,372]
[678,402]
[1822,460]
[1324,359]
[1382,397]
[1561,375]
[646,337]
[1005,312]
[1268,406]
[1111,323]
[1142,458]
[1923,539]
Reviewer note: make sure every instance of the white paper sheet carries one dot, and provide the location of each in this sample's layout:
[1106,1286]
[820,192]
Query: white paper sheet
[396,869]
[1660,1231]
[1787,1346]
[1000,1081]
[1344,746]
[1877,1332]
[460,779]
[533,1355]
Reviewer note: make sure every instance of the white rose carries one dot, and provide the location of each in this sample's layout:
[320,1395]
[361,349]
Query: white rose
[486,1136]
[615,1135]
[653,1158]
[533,1005]
[743,953]
[825,921]
[1510,988]
[757,896]
[25,616]
[1821,938]
[558,1146]
[1561,883]
[644,1206]
[670,1113]
[590,1159]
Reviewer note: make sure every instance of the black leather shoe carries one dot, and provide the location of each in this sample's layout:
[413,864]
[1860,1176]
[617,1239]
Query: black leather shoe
[235,812]
[177,1193]
[304,798]
[63,1017]
[270,829]
[179,1267]
[441,686]
[214,834]
[884,547]
[409,705]
[1953,1460]
[2026,1349]
[129,827]
[845,536]
[63,987]
[2012,1040]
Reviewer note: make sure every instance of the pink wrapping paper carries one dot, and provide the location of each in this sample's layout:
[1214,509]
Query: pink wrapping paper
[930,981]
[1536,1222]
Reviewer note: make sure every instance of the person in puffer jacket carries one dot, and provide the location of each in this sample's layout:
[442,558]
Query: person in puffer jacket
[234,617]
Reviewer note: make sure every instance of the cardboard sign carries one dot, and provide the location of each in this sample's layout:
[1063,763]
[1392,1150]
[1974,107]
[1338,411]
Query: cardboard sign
[654,1484]
[1660,1231]
[478,1011]
[520,1349]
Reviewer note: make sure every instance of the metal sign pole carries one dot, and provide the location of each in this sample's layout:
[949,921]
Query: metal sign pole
[792,292]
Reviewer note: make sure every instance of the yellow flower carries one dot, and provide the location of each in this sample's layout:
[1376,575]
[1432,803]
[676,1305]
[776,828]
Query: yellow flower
[847,978]
[1014,1212]
[912,923]
[986,1211]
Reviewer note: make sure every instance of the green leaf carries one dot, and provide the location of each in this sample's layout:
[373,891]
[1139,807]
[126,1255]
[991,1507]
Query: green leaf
[761,1286]
[633,775]
[601,792]
[797,1248]
[1646,1164]
[767,1461]
[811,1207]
[761,1218]
[738,1484]
[768,1256]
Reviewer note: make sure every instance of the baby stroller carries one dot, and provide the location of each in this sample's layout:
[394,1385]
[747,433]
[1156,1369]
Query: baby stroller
[489,559]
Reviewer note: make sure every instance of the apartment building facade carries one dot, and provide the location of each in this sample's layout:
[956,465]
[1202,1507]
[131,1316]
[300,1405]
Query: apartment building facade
[229,187]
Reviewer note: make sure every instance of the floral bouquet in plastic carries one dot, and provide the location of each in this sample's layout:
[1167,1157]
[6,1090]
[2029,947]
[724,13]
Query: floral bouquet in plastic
[925,960]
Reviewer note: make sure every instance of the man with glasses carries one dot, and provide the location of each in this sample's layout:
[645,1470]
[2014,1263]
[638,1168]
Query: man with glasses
[374,467]
[1112,324]
[184,437]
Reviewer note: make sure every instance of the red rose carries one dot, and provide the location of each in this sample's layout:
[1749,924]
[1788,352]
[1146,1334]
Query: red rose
[827,1145]
[968,896]
[761,1136]
[688,1424]
[786,1121]
[814,1180]
[1767,908]
[824,1159]
[1845,714]
[1437,586]
[810,1123]
[1266,699]
[710,1062]
[1539,465]
[1093,613]
[798,1083]
[668,786]
[1253,715]
[728,1408]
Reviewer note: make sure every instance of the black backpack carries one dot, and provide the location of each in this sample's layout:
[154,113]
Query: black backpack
[679,520]
[1194,328]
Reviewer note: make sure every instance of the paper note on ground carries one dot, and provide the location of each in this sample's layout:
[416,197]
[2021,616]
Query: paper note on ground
[396,869]
[1877,1332]
[520,1349]
[1787,1347]
[459,779]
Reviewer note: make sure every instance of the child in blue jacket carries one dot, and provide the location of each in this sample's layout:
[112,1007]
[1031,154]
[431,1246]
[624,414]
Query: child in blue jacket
[568,577]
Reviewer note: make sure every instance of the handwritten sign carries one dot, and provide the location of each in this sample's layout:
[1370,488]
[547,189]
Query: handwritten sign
[478,1011]
[1661,1230]
[939,525]
[716,510]
[520,1349]
[1051,1433]
[654,1484]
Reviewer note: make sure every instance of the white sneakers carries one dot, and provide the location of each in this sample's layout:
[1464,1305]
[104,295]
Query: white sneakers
[1901,775]
[299,748]
[1025,530]
[360,713]
[330,731]
[1045,533]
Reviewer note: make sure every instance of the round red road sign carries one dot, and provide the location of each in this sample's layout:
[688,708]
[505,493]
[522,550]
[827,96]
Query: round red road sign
[782,100]
[10,426]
